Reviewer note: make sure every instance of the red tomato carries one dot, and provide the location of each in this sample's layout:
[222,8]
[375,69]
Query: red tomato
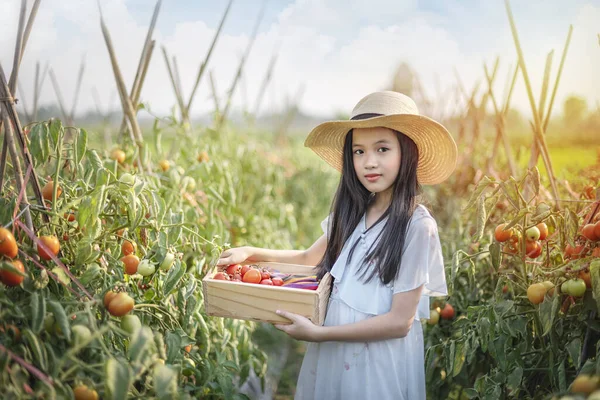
[533,249]
[108,297]
[8,244]
[131,263]
[121,304]
[232,269]
[221,276]
[501,234]
[543,230]
[52,243]
[277,281]
[10,278]
[265,275]
[252,276]
[128,247]
[245,269]
[447,312]
[266,282]
[589,232]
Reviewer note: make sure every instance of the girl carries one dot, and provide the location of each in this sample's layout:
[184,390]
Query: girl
[380,246]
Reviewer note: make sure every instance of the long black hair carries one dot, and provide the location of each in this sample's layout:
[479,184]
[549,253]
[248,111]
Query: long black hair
[352,200]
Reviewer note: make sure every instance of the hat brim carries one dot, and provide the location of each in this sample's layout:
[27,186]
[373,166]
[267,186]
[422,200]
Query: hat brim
[437,149]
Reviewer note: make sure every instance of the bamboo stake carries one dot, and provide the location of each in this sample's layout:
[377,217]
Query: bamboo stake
[77,89]
[265,82]
[12,149]
[8,107]
[30,20]
[500,123]
[38,90]
[173,81]
[537,123]
[18,49]
[22,100]
[231,91]
[557,81]
[125,100]
[207,58]
[214,93]
[143,63]
[184,115]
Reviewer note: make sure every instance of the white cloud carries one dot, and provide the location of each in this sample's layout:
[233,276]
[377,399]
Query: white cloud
[340,51]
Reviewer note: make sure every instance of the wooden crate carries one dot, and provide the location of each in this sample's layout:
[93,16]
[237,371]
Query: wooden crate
[259,302]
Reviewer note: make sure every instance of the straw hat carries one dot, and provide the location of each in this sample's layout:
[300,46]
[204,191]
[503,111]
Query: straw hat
[437,149]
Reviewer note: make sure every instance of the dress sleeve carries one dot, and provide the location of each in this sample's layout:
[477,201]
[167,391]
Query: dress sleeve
[422,260]
[325,226]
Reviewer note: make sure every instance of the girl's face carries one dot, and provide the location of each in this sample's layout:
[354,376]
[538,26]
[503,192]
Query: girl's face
[376,155]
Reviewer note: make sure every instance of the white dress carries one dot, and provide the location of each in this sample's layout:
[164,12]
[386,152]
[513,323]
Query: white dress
[381,370]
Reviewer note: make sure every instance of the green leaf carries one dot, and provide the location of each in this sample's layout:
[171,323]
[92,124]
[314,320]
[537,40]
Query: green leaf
[495,255]
[39,145]
[574,349]
[481,218]
[571,226]
[548,310]
[518,218]
[449,354]
[175,274]
[165,382]
[139,343]
[56,129]
[92,271]
[173,341]
[459,357]
[514,379]
[61,318]
[80,146]
[562,377]
[37,349]
[481,186]
[471,393]
[38,312]
[118,379]
[535,179]
[85,254]
[94,159]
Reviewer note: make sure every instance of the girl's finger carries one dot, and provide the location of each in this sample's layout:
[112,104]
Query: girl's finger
[224,261]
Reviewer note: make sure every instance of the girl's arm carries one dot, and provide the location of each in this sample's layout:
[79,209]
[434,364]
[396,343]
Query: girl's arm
[394,324]
[310,256]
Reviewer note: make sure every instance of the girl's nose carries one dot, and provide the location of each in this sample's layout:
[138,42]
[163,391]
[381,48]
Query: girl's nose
[371,161]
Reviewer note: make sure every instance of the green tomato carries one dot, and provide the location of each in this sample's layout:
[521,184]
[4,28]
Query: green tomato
[127,179]
[566,287]
[532,234]
[167,262]
[577,287]
[146,268]
[188,183]
[80,334]
[131,324]
[188,367]
[49,323]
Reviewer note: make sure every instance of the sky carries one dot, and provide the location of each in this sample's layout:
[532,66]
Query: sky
[331,53]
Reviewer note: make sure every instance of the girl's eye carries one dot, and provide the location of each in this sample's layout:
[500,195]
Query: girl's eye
[358,152]
[383,149]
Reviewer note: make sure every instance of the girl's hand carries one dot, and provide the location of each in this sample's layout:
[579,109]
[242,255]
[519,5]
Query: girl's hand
[236,255]
[301,328]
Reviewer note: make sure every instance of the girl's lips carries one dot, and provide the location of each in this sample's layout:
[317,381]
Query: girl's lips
[372,177]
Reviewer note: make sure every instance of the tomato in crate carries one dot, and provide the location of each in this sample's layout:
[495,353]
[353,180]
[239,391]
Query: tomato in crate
[249,299]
